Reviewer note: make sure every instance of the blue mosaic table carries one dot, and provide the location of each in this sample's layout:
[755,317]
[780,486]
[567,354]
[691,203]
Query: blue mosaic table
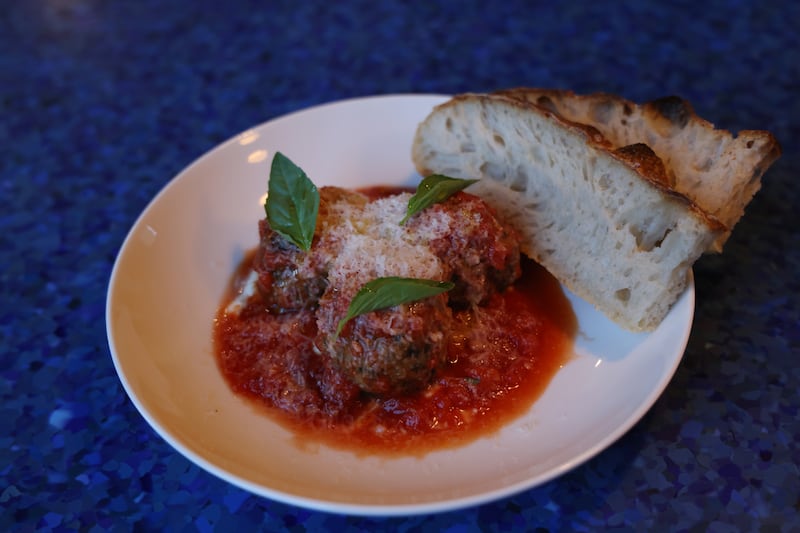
[102,103]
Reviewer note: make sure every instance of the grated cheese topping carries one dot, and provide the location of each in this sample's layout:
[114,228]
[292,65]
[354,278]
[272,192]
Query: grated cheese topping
[366,241]
[374,244]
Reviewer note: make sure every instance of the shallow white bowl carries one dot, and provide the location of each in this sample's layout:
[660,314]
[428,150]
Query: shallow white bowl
[172,271]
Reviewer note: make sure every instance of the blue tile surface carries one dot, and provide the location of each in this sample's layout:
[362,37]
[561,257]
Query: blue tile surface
[101,103]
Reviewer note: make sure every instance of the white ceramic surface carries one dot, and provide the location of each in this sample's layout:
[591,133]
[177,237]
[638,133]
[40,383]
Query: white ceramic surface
[171,273]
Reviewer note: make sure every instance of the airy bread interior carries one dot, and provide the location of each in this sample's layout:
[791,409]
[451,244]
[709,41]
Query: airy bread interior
[718,171]
[601,215]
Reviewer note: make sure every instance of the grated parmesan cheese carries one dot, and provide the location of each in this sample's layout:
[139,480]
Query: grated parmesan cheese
[374,244]
[360,241]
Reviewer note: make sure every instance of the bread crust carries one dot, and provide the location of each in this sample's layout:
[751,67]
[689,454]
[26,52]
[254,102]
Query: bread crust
[720,182]
[639,156]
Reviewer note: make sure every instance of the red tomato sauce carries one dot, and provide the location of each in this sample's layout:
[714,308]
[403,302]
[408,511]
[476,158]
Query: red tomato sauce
[501,359]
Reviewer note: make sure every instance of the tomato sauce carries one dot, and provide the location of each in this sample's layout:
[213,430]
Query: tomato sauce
[500,359]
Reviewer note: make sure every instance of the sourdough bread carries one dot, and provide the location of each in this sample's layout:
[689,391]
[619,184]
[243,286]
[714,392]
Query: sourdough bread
[604,220]
[720,173]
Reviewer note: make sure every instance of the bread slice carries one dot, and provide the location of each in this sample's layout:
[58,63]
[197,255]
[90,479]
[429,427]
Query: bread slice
[604,220]
[720,173]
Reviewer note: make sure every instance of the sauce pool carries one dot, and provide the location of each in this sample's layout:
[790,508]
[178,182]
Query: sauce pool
[501,357]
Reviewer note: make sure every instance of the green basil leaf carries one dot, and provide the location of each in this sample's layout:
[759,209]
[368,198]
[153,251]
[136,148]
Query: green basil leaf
[292,202]
[381,293]
[434,189]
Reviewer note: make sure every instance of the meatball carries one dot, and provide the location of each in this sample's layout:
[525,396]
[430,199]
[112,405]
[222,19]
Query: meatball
[481,253]
[290,279]
[391,351]
[399,349]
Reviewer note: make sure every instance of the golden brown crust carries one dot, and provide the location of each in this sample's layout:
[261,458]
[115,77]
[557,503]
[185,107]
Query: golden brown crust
[662,113]
[642,158]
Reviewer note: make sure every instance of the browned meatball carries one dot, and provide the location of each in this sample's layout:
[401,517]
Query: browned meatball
[391,351]
[482,253]
[290,279]
[395,350]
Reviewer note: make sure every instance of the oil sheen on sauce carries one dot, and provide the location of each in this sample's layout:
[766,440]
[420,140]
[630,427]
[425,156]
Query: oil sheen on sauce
[501,358]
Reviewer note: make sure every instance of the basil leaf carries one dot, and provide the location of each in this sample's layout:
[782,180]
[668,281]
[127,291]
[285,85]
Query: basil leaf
[292,202]
[434,189]
[381,293]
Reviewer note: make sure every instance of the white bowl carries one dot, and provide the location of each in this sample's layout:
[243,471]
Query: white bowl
[172,271]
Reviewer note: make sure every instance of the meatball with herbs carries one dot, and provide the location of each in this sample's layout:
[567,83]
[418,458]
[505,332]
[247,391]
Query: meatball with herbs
[396,349]
[482,254]
[391,351]
[290,279]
